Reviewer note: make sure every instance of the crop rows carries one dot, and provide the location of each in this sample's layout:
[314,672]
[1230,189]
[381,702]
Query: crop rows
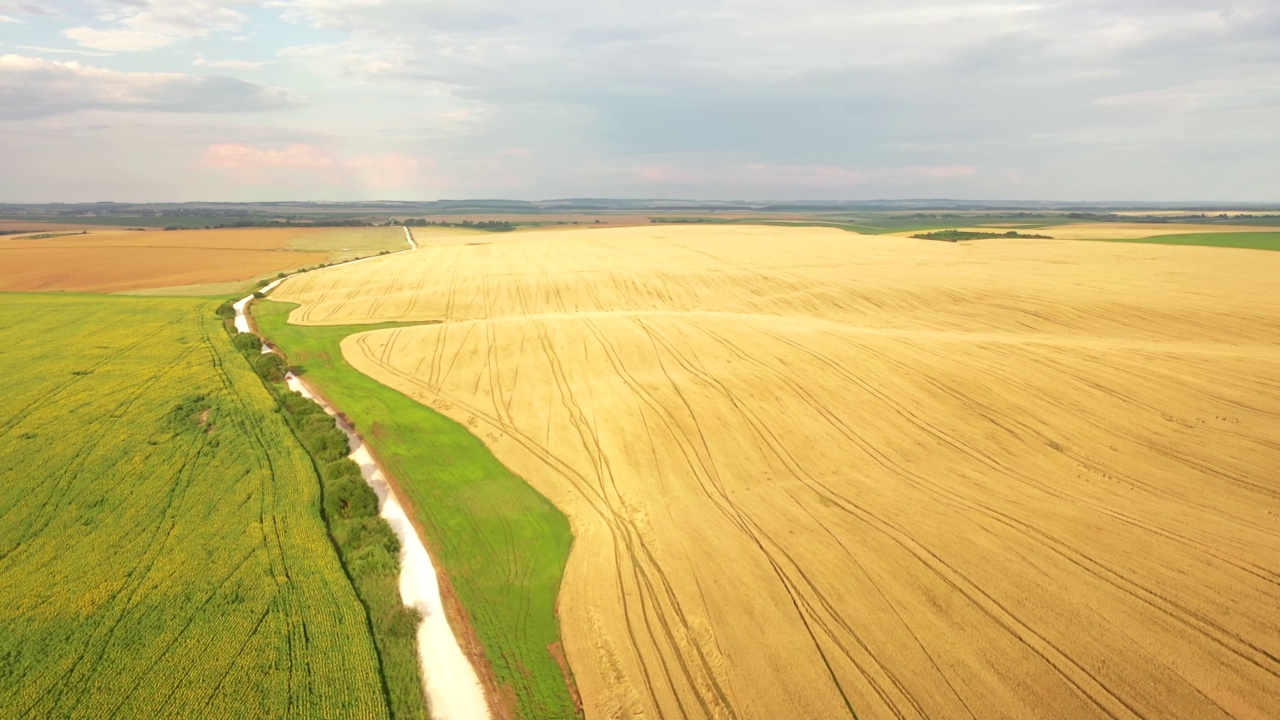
[812,474]
[161,547]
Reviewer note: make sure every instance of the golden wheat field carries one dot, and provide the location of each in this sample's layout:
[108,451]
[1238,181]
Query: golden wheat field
[812,473]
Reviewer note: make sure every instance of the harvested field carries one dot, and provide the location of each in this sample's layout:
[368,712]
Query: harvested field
[127,261]
[811,472]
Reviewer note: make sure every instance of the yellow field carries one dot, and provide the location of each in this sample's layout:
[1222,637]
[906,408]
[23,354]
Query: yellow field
[192,262]
[811,472]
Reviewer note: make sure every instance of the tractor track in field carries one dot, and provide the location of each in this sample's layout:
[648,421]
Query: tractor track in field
[891,454]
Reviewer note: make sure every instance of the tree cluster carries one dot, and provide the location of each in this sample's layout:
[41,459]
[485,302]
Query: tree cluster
[489,225]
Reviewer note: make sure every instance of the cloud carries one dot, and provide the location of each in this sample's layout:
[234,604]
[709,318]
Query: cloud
[118,39]
[156,24]
[63,51]
[1193,97]
[7,19]
[35,87]
[232,156]
[806,177]
[228,64]
[1073,98]
[389,171]
[305,162]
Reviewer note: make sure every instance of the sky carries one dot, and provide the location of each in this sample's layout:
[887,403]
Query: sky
[257,100]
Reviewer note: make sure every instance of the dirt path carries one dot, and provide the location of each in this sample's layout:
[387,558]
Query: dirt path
[452,688]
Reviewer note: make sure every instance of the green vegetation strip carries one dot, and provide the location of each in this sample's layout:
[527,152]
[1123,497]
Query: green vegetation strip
[1249,240]
[162,552]
[501,545]
[367,547]
[958,235]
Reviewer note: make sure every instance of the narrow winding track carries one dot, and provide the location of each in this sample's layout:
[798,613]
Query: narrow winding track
[452,687]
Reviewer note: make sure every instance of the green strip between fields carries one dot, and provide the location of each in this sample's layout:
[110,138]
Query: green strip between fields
[501,544]
[1246,240]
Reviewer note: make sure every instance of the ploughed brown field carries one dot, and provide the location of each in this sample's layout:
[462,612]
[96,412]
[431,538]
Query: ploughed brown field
[123,260]
[812,473]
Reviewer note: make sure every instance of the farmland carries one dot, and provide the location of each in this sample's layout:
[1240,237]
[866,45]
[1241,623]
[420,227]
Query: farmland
[811,472]
[203,262]
[162,552]
[504,546]
[1247,240]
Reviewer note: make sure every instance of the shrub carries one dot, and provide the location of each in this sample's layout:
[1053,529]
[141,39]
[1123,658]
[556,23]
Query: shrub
[324,439]
[270,367]
[247,343]
[350,499]
[342,469]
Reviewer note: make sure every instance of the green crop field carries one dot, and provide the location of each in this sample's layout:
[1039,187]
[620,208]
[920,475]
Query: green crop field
[1250,240]
[502,546]
[162,553]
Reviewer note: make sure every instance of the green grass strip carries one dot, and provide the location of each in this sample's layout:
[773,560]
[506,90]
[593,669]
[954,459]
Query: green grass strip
[367,547]
[501,545]
[1246,240]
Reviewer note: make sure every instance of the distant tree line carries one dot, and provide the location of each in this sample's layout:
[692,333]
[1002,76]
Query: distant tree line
[958,235]
[688,220]
[488,225]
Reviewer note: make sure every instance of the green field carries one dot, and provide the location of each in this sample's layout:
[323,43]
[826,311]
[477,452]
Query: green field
[502,546]
[1251,240]
[162,553]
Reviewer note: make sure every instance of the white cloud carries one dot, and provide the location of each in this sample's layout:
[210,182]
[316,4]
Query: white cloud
[118,39]
[234,156]
[157,24]
[7,19]
[718,97]
[255,165]
[228,64]
[35,87]
[63,51]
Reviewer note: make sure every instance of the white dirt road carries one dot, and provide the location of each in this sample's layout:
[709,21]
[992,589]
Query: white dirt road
[452,688]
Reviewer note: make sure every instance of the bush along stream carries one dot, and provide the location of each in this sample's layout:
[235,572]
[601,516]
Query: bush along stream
[367,547]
